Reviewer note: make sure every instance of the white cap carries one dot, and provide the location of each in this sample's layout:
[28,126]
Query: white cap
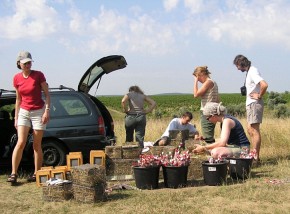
[23,57]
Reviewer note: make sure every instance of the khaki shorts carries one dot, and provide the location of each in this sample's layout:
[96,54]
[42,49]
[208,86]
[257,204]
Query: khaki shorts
[255,112]
[33,117]
[236,150]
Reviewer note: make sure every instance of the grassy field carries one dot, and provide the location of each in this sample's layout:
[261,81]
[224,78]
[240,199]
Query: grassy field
[266,191]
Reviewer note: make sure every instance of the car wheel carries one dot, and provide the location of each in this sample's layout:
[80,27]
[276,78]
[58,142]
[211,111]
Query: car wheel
[54,154]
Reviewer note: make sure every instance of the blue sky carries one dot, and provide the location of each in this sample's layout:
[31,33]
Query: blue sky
[162,41]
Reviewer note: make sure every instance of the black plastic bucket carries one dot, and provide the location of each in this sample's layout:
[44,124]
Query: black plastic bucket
[175,176]
[146,178]
[240,168]
[214,173]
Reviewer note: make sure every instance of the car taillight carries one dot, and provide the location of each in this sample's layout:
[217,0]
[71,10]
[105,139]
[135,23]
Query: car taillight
[101,126]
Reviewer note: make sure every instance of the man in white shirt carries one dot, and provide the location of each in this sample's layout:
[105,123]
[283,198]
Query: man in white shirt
[182,123]
[256,87]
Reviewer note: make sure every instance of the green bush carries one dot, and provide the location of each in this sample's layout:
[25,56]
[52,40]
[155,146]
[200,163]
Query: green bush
[281,111]
[238,110]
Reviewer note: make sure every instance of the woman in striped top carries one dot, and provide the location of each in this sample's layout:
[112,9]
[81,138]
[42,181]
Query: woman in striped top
[208,92]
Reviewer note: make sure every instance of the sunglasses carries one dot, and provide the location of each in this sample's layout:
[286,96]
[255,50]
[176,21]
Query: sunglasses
[208,117]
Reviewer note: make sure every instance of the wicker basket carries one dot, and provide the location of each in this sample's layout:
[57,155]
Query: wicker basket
[175,143]
[117,167]
[88,175]
[114,151]
[90,194]
[158,150]
[68,175]
[195,167]
[190,144]
[179,135]
[131,152]
[58,192]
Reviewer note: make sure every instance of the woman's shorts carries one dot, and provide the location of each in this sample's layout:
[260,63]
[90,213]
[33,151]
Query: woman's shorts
[31,118]
[236,150]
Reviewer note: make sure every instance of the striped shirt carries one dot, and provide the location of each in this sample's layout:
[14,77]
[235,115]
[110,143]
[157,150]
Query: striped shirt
[211,95]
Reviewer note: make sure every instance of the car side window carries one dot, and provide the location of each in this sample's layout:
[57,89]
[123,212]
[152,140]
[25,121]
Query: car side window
[67,106]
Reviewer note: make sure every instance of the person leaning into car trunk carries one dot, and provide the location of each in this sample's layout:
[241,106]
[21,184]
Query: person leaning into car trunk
[30,111]
[135,120]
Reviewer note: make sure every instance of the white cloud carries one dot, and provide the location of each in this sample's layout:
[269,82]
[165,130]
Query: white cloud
[193,5]
[30,20]
[247,22]
[169,5]
[110,31]
[76,23]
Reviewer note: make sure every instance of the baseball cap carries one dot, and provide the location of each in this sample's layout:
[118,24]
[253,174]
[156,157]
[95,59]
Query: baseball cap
[24,56]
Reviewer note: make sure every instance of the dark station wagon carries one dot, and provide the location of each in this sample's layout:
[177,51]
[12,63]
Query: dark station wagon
[78,120]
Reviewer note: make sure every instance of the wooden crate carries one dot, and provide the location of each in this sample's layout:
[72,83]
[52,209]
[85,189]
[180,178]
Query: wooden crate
[88,175]
[58,173]
[42,176]
[74,159]
[98,157]
[93,194]
[59,192]
[131,152]
[46,167]
[61,167]
[114,151]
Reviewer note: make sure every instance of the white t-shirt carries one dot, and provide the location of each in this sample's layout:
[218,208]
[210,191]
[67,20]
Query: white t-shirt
[175,124]
[252,83]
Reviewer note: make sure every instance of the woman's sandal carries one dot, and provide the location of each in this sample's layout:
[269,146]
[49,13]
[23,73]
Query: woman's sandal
[32,178]
[12,178]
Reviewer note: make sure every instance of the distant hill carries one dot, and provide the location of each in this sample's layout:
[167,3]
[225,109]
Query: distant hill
[173,93]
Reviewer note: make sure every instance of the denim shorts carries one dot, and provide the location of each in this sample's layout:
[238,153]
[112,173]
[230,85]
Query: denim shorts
[31,118]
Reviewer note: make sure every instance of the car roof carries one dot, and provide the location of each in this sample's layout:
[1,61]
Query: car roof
[103,66]
[7,97]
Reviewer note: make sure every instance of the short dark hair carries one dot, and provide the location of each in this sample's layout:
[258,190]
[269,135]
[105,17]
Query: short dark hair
[242,61]
[187,114]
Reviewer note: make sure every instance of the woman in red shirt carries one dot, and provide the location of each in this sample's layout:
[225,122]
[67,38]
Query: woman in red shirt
[30,112]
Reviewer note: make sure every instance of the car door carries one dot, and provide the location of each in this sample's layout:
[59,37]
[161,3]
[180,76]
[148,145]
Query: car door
[103,66]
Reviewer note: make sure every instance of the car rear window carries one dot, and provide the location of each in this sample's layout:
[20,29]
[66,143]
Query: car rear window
[67,105]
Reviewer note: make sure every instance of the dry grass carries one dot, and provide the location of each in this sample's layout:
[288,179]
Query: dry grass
[255,195]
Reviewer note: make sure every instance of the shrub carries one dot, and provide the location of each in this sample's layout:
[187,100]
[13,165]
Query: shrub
[237,110]
[274,99]
[281,111]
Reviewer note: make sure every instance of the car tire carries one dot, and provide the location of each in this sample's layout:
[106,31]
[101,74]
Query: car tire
[54,154]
